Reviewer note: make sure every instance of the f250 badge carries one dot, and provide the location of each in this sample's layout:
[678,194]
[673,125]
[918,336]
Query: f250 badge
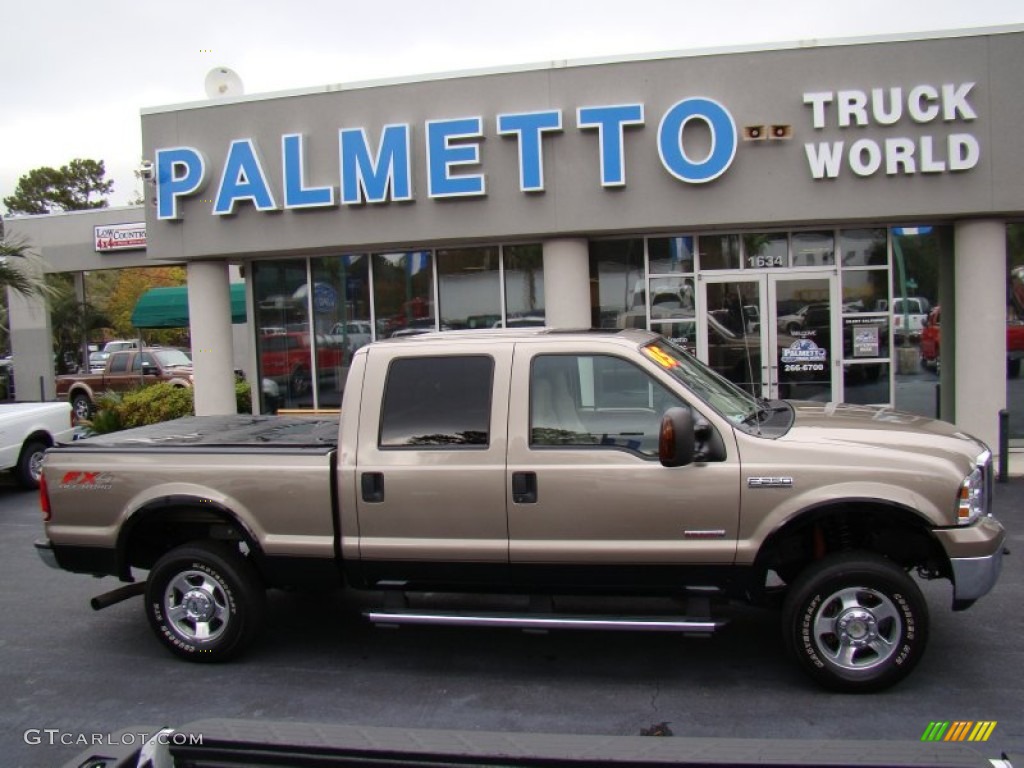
[86,481]
[769,482]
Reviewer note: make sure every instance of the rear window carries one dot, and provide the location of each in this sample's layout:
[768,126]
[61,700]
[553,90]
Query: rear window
[437,402]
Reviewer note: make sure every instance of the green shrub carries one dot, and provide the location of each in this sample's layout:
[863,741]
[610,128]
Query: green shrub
[154,404]
[107,415]
[243,396]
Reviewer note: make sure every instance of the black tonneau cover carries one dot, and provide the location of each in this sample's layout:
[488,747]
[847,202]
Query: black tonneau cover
[227,431]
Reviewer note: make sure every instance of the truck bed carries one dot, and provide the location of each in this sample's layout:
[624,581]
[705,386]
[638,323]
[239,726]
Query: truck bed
[224,432]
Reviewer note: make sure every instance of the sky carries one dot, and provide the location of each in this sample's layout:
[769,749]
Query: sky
[76,74]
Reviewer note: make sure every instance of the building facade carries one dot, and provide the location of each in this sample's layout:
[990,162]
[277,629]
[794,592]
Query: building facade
[793,216]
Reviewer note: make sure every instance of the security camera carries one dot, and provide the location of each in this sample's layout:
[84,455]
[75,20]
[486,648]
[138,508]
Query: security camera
[146,170]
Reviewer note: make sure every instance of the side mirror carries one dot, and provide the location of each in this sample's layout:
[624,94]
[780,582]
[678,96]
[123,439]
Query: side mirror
[676,438]
[149,370]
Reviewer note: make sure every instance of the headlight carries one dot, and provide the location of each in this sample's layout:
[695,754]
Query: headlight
[971,504]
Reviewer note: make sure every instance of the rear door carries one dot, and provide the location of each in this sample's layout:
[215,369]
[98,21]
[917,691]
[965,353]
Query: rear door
[590,504]
[431,465]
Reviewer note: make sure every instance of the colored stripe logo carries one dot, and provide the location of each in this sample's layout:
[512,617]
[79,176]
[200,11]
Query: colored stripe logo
[959,730]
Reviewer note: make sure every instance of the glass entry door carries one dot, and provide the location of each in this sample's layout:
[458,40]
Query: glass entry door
[772,334]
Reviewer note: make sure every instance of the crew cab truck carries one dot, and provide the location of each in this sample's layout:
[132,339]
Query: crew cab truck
[543,464]
[125,370]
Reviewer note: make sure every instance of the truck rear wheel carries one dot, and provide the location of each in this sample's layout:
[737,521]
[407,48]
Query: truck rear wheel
[30,464]
[205,602]
[855,622]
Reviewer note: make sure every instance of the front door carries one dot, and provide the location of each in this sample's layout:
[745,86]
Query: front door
[772,334]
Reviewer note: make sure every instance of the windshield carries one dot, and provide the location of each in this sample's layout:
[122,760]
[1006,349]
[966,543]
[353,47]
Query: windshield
[735,404]
[172,358]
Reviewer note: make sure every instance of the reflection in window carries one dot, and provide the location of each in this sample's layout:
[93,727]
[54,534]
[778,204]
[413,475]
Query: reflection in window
[814,249]
[866,383]
[719,251]
[524,284]
[341,317]
[437,402]
[863,247]
[617,266]
[667,255]
[283,351]
[865,290]
[403,293]
[467,282]
[766,250]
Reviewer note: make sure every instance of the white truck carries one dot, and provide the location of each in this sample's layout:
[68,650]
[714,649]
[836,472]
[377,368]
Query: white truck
[26,431]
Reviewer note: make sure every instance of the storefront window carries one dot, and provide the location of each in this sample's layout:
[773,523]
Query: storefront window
[766,250]
[524,284]
[617,268]
[719,251]
[865,290]
[341,317]
[814,249]
[668,255]
[469,288]
[863,247]
[917,256]
[284,357]
[403,293]
[1015,329]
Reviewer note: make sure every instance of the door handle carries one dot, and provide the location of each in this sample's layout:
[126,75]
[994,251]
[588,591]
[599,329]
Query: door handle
[524,487]
[373,487]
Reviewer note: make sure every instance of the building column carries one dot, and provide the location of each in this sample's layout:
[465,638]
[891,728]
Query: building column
[209,309]
[567,283]
[979,327]
[31,347]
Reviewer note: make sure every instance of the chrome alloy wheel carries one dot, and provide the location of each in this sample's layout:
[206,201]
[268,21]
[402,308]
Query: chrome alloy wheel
[857,628]
[196,605]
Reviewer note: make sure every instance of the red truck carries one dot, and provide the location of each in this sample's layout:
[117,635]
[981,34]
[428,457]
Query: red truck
[930,343]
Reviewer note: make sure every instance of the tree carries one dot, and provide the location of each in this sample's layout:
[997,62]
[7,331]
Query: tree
[72,321]
[71,187]
[20,270]
[130,285]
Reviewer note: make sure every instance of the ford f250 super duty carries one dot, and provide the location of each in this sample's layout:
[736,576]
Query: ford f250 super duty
[542,464]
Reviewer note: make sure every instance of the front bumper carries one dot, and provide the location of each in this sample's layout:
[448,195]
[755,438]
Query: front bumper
[975,557]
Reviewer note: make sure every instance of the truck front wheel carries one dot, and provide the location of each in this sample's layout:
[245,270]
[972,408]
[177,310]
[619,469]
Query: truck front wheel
[855,622]
[204,602]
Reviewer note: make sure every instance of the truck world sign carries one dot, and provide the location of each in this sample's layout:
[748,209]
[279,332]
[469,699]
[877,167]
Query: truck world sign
[376,167]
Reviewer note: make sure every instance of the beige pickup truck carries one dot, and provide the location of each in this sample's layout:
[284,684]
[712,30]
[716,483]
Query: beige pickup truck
[547,465]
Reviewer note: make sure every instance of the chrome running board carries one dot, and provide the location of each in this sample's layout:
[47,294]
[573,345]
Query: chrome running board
[632,624]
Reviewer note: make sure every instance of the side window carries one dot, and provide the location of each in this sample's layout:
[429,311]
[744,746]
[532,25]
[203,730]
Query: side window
[595,400]
[142,359]
[119,362]
[437,402]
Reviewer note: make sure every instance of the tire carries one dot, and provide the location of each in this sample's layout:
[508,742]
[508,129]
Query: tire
[205,602]
[300,382]
[30,464]
[855,622]
[81,405]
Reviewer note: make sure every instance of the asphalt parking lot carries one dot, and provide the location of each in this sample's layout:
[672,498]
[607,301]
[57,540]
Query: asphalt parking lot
[70,673]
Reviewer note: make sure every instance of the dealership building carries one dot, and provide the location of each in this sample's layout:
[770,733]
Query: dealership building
[792,215]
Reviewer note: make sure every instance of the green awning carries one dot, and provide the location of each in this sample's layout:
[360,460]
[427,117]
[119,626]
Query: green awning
[168,307]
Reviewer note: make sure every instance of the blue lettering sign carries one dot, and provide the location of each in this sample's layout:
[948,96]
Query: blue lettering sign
[243,179]
[180,171]
[365,180]
[442,156]
[296,193]
[671,146]
[528,127]
[610,122]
